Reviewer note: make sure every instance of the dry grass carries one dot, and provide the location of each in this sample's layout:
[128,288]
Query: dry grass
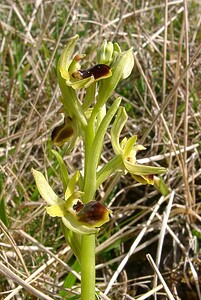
[162,97]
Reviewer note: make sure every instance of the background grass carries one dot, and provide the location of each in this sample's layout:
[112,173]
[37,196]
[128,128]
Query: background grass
[166,37]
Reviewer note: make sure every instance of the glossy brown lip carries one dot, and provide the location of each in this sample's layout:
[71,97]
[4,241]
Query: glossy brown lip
[97,71]
[92,212]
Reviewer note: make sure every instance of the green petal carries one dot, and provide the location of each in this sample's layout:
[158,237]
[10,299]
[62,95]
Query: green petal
[71,184]
[75,63]
[129,145]
[56,210]
[70,222]
[136,169]
[45,190]
[130,152]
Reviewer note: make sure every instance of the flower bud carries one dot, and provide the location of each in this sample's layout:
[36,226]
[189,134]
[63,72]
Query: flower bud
[128,63]
[63,133]
[121,69]
[105,53]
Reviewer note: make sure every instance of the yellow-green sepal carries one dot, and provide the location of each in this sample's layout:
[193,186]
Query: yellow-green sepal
[65,58]
[45,190]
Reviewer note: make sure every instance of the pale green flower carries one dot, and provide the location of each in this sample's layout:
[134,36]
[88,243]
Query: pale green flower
[70,69]
[128,149]
[76,216]
[141,173]
[71,78]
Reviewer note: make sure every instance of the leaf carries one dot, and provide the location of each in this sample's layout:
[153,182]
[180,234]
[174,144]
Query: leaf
[3,214]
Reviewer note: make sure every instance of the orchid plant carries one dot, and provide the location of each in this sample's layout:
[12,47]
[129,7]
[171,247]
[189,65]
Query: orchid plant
[89,120]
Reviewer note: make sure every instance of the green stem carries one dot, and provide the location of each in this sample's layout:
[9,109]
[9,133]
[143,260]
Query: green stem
[88,267]
[89,168]
[88,275]
[71,102]
[93,146]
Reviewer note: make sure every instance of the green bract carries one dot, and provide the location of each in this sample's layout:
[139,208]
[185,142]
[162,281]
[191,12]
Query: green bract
[121,66]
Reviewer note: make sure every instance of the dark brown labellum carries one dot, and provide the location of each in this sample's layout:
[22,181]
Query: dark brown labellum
[92,213]
[97,71]
[62,134]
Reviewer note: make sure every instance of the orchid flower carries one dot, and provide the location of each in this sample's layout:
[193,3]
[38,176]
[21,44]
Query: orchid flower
[76,216]
[70,69]
[128,149]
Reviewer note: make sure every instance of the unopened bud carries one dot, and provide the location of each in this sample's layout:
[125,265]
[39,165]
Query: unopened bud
[62,134]
[105,53]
